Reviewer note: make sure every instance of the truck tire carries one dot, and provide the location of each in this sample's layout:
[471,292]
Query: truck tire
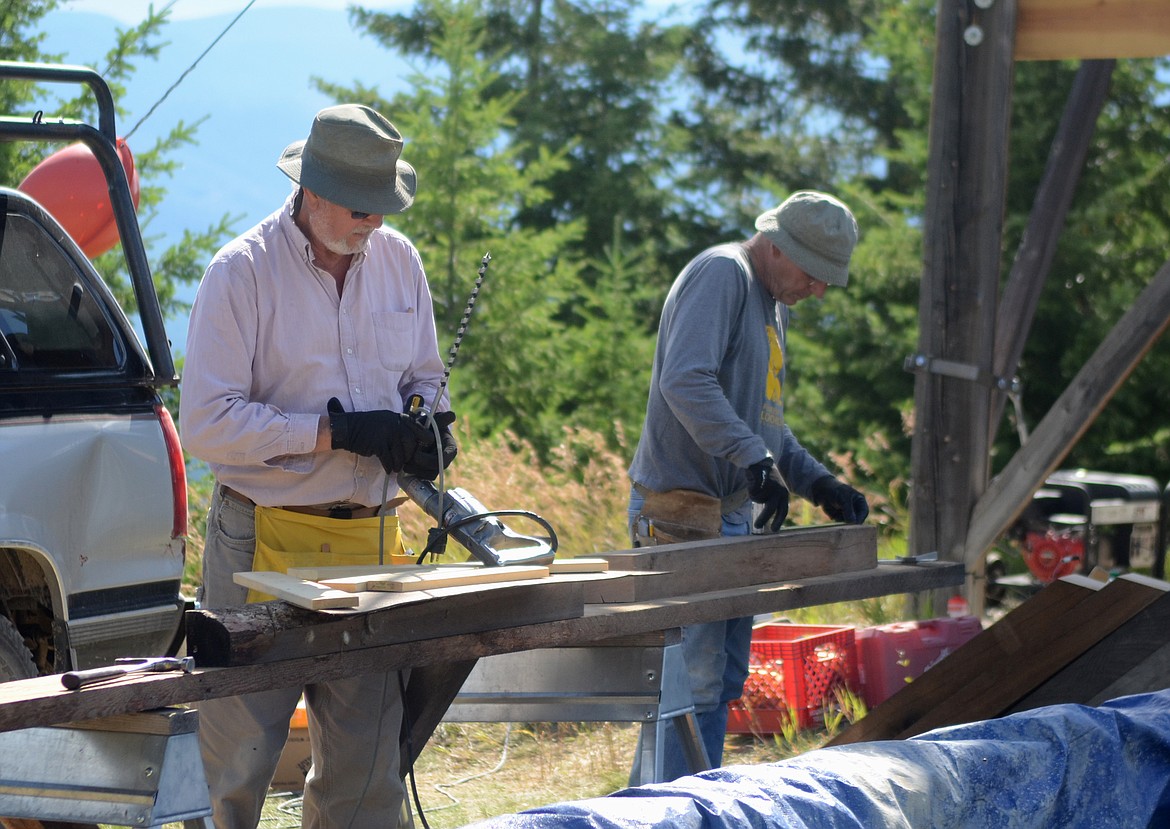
[16,660]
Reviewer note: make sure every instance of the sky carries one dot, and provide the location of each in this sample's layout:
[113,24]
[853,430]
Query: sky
[253,92]
[132,11]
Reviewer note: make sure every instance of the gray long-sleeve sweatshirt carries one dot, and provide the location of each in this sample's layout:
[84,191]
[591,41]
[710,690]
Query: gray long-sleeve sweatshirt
[716,389]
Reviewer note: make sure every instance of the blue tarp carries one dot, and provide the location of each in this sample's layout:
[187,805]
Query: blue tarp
[1067,766]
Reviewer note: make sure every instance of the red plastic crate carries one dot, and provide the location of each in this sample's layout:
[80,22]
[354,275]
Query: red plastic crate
[793,670]
[891,656]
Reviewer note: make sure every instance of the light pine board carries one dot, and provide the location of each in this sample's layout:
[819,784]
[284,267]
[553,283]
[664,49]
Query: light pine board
[579,565]
[293,590]
[440,575]
[358,578]
[405,577]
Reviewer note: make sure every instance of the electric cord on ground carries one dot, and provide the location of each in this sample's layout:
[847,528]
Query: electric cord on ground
[442,787]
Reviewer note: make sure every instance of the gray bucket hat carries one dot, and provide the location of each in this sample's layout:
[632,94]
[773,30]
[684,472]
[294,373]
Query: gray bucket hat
[814,230]
[351,158]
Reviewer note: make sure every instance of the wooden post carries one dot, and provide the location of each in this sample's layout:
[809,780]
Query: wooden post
[966,184]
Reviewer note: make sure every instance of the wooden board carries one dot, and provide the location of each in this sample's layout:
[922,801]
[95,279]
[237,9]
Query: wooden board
[581,564]
[443,575]
[1089,29]
[274,631]
[1134,659]
[166,721]
[729,563]
[295,591]
[342,571]
[405,577]
[987,675]
[276,645]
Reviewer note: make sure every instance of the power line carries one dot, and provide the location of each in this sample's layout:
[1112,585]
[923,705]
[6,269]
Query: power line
[189,69]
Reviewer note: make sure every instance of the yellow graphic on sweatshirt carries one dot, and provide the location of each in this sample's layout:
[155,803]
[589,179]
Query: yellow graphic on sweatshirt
[773,414]
[775,390]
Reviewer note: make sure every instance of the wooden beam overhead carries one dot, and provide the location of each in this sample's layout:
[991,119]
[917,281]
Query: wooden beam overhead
[1029,273]
[1090,29]
[1072,413]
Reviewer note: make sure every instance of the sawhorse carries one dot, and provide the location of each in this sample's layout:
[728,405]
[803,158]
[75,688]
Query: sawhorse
[638,679]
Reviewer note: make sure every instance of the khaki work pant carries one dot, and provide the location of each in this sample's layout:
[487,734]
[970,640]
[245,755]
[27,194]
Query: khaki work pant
[354,723]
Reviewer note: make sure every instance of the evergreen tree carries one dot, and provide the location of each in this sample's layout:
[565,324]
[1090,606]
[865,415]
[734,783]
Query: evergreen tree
[1116,238]
[472,186]
[591,80]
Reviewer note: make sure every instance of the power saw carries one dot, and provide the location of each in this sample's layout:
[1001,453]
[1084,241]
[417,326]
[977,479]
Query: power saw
[463,518]
[456,511]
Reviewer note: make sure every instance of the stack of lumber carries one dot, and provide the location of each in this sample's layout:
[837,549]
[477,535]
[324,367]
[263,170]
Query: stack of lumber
[323,588]
[1079,640]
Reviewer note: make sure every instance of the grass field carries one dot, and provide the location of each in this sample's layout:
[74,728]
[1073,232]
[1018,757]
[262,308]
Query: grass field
[471,772]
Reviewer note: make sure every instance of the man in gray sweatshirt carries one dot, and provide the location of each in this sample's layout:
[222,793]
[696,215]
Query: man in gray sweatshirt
[714,439]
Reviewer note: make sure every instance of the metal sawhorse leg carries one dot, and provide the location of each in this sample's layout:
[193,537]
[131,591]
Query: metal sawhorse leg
[634,679]
[141,770]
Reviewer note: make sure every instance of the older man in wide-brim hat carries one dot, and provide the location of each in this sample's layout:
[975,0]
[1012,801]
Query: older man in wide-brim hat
[308,335]
[715,455]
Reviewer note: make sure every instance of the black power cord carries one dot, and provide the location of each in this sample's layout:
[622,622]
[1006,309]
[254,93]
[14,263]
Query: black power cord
[408,729]
[437,536]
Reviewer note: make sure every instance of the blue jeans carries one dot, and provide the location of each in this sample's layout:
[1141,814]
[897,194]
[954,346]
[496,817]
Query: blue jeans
[716,655]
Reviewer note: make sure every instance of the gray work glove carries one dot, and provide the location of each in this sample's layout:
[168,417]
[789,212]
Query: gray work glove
[425,462]
[391,437]
[765,486]
[840,501]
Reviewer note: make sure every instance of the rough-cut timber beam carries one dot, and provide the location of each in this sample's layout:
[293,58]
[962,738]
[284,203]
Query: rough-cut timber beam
[1012,658]
[273,631]
[42,701]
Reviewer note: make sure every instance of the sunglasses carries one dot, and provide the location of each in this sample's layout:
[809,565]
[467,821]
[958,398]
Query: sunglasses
[358,215]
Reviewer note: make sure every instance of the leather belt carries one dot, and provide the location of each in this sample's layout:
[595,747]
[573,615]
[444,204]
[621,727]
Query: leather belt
[323,511]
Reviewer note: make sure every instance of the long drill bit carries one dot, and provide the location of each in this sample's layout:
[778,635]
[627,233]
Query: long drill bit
[480,274]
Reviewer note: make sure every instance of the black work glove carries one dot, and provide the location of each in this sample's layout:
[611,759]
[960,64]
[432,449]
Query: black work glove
[765,486]
[840,501]
[425,463]
[391,437]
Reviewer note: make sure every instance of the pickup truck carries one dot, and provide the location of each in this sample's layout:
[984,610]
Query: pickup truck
[93,489]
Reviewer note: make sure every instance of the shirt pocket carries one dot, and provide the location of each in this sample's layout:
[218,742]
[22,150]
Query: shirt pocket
[394,332]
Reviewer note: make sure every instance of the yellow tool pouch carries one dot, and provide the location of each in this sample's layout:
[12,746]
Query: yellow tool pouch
[680,515]
[287,539]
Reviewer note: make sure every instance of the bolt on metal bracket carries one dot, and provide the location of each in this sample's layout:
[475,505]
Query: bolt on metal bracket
[917,363]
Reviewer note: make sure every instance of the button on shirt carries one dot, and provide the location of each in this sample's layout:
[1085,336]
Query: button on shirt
[270,342]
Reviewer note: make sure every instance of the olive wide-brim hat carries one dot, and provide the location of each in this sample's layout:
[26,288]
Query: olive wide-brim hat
[352,158]
[816,231]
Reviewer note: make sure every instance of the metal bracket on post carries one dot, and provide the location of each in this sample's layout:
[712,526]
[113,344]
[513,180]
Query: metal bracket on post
[917,363]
